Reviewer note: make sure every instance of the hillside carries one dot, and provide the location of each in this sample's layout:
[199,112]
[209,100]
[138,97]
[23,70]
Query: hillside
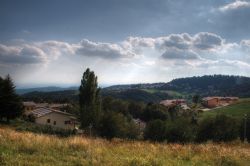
[237,110]
[213,85]
[24,148]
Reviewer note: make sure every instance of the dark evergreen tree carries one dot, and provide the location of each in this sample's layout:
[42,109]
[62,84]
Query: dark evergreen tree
[10,103]
[89,100]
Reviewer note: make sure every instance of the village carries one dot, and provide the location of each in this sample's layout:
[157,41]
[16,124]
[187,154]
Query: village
[54,115]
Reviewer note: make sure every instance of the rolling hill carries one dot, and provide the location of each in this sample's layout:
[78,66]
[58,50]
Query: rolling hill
[211,85]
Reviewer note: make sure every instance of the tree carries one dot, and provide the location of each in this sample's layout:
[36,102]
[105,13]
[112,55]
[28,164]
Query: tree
[196,99]
[155,130]
[115,124]
[220,128]
[89,100]
[180,130]
[10,103]
[154,111]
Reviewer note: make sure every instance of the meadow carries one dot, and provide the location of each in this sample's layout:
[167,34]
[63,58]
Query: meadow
[237,110]
[29,149]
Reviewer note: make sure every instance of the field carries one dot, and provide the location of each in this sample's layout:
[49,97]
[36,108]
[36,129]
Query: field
[29,149]
[236,110]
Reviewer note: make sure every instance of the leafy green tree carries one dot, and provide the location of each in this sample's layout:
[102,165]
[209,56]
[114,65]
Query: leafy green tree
[136,109]
[10,103]
[89,100]
[218,129]
[154,111]
[196,99]
[180,130]
[115,124]
[155,130]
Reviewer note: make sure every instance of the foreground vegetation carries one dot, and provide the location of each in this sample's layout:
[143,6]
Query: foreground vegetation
[25,148]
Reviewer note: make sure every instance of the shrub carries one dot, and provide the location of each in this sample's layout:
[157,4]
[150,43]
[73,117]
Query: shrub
[155,130]
[221,128]
[117,125]
[181,130]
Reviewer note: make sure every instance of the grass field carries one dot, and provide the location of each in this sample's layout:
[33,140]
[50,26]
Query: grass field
[236,110]
[28,149]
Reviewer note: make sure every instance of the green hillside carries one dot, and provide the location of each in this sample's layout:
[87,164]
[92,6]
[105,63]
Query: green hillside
[236,110]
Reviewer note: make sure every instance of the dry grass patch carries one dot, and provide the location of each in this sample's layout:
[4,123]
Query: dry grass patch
[24,148]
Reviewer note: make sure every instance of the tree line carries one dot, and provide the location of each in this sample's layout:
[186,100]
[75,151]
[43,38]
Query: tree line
[109,117]
[114,118]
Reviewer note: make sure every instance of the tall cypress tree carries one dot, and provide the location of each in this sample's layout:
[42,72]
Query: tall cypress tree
[89,100]
[10,103]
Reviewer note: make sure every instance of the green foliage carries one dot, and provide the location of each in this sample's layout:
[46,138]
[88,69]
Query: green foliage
[10,103]
[41,129]
[136,109]
[117,125]
[29,118]
[89,100]
[180,130]
[245,123]
[115,105]
[196,99]
[154,111]
[218,129]
[155,130]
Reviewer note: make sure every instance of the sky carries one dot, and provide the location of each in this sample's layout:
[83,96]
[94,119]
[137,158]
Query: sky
[52,42]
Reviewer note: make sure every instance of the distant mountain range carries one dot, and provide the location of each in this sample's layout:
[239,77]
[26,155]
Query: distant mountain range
[44,89]
[210,85]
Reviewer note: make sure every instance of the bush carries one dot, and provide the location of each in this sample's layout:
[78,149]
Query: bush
[117,125]
[155,130]
[242,126]
[45,129]
[221,128]
[154,111]
[181,130]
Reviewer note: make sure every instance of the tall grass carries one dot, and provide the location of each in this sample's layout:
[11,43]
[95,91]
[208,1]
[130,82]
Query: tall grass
[28,149]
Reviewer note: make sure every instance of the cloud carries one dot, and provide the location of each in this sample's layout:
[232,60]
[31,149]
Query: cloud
[103,50]
[175,47]
[179,54]
[21,55]
[235,5]
[178,41]
[206,41]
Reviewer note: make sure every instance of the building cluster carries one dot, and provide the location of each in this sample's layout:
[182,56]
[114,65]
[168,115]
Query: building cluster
[51,114]
[208,102]
[174,102]
[216,101]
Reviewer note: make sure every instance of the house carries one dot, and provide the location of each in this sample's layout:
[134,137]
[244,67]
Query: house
[50,114]
[29,106]
[54,118]
[216,101]
[174,102]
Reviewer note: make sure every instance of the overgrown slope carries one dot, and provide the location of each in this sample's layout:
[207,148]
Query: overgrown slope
[30,149]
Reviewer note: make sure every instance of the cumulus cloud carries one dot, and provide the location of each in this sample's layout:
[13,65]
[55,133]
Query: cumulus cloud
[21,55]
[200,46]
[104,50]
[205,41]
[180,54]
[235,5]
